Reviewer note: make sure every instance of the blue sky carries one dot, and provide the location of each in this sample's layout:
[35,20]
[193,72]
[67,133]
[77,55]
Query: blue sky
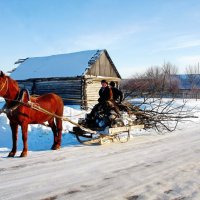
[137,33]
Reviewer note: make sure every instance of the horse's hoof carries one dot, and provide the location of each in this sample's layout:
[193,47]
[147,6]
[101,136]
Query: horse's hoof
[11,154]
[55,147]
[23,154]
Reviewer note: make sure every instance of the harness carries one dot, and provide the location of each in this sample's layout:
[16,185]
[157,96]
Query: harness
[19,101]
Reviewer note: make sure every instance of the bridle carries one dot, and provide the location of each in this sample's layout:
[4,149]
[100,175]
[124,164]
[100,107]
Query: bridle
[6,81]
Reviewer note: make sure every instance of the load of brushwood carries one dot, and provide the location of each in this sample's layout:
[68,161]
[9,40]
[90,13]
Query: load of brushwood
[158,114]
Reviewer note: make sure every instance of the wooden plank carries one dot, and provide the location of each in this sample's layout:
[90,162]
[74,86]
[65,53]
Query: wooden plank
[124,129]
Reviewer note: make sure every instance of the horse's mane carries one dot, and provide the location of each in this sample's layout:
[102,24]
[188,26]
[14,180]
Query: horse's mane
[15,83]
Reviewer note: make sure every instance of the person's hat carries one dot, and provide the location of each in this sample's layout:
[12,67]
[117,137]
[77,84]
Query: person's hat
[104,81]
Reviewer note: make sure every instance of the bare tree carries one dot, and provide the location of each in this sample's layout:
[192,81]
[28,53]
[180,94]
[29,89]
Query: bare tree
[156,80]
[193,74]
[161,115]
[170,81]
[135,86]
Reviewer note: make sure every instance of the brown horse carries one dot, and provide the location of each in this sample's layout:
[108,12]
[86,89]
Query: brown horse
[20,114]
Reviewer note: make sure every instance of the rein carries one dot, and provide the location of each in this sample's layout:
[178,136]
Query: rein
[40,109]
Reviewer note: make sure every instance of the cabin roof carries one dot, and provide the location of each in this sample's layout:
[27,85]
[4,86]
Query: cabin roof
[61,65]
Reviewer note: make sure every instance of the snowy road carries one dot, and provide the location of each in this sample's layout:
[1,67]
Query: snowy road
[148,167]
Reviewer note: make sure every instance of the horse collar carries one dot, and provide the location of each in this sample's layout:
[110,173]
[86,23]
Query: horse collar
[21,95]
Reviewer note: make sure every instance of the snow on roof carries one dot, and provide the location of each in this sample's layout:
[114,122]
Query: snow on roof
[62,65]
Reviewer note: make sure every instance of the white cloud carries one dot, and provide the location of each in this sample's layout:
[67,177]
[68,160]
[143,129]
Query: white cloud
[184,44]
[189,60]
[105,39]
[178,42]
[96,40]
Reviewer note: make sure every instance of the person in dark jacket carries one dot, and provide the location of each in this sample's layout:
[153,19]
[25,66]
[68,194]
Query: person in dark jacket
[102,110]
[105,93]
[117,94]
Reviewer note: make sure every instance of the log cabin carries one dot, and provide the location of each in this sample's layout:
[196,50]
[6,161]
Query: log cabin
[75,76]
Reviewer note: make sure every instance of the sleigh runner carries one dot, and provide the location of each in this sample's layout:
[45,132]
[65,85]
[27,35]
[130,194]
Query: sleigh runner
[121,134]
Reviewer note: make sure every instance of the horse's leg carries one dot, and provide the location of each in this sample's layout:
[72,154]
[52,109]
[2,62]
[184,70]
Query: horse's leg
[59,130]
[54,130]
[24,127]
[59,112]
[14,128]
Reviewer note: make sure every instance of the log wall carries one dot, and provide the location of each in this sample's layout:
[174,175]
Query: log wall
[74,91]
[69,89]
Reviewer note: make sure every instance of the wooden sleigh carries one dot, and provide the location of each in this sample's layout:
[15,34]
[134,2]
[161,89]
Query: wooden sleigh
[91,137]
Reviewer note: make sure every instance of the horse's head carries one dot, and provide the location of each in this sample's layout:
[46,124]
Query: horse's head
[3,84]
[8,87]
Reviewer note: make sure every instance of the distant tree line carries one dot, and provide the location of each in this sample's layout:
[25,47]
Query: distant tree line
[160,80]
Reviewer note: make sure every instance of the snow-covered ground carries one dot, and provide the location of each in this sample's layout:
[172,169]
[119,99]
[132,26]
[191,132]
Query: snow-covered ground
[150,166]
